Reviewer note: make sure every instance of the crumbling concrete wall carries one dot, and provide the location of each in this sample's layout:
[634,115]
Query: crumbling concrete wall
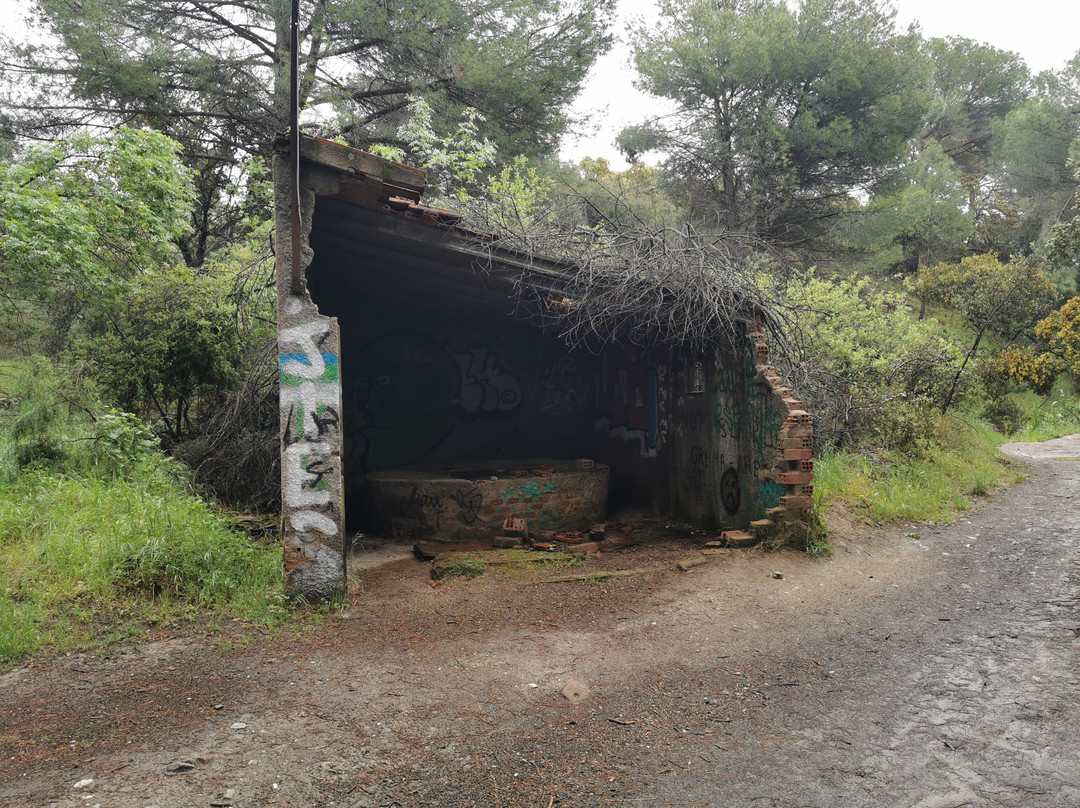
[310,402]
[716,441]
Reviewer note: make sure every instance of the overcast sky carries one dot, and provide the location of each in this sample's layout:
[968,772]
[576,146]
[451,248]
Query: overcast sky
[1046,33]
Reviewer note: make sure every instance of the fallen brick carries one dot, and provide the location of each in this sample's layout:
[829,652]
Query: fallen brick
[608,545]
[738,538]
[515,526]
[587,548]
[689,563]
[570,538]
[575,692]
[427,550]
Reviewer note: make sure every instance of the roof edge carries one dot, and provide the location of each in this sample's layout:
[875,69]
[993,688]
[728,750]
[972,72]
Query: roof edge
[345,158]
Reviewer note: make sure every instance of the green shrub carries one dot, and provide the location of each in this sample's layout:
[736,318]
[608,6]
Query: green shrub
[868,369]
[1005,414]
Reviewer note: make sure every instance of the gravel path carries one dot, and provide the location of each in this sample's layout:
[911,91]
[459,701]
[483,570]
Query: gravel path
[930,667]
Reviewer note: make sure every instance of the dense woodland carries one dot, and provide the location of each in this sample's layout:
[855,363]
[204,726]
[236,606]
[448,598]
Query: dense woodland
[901,211]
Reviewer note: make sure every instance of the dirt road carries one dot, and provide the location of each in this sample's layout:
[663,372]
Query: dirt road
[930,667]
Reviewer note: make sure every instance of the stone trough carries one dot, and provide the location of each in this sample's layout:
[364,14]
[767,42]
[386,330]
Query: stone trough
[473,501]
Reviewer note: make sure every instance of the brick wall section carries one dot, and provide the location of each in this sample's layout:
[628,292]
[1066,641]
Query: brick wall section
[795,468]
[416,503]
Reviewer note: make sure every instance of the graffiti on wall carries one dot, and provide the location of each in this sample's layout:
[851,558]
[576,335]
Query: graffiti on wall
[528,501]
[742,407]
[565,389]
[730,491]
[484,384]
[695,470]
[745,411]
[637,395]
[769,493]
[310,395]
[408,391]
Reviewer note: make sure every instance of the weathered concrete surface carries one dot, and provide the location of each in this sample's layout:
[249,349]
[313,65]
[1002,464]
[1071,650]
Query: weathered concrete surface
[933,667]
[548,494]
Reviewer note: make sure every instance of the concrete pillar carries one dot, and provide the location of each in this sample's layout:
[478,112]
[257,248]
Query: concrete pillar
[309,347]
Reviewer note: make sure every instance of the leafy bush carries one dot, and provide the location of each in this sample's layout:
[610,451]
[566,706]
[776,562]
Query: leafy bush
[1005,414]
[869,371]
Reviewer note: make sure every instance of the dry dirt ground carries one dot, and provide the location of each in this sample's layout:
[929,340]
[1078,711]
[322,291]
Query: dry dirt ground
[925,666]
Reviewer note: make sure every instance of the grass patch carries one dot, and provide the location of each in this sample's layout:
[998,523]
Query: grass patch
[88,560]
[1051,419]
[471,565]
[943,479]
[101,536]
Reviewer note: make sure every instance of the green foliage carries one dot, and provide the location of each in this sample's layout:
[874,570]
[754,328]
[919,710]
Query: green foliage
[1060,333]
[1021,365]
[518,197]
[169,346]
[215,77]
[917,217]
[1051,419]
[626,199]
[975,85]
[1031,150]
[991,297]
[452,161]
[1062,249]
[778,108]
[1004,414]
[87,210]
[864,365]
[107,534]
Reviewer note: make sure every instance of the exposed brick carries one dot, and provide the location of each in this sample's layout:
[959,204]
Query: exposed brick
[806,465]
[795,503]
[806,490]
[800,417]
[781,514]
[794,477]
[797,430]
[799,454]
[799,442]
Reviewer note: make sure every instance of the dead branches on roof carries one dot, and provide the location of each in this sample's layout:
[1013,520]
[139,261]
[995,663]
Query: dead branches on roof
[599,282]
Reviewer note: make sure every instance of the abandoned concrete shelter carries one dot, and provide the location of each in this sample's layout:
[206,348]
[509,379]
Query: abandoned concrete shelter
[416,402]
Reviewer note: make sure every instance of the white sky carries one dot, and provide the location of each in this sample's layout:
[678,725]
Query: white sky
[1046,33]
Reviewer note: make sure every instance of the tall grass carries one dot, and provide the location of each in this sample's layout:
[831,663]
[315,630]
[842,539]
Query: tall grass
[100,533]
[1051,420]
[945,477]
